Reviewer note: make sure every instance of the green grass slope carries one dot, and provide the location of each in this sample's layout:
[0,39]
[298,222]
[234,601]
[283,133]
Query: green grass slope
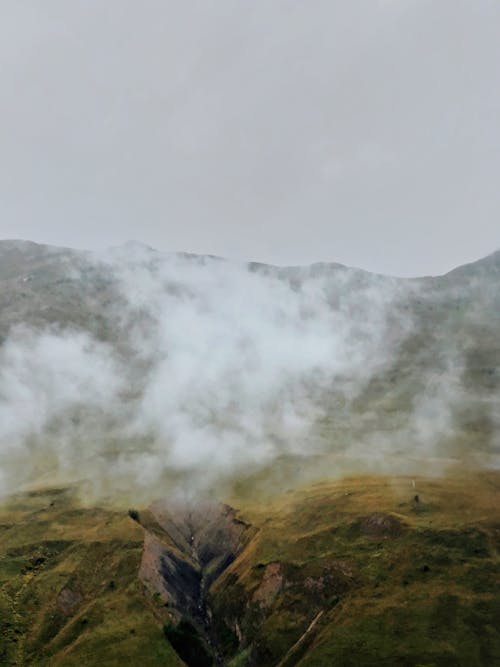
[359,573]
[352,572]
[69,592]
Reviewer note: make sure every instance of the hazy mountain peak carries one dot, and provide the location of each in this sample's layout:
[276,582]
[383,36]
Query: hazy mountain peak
[136,249]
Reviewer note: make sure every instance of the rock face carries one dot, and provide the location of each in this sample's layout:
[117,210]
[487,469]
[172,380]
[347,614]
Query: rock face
[210,533]
[185,549]
[174,576]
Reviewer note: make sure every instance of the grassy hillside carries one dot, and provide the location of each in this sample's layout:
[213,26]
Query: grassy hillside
[141,373]
[361,571]
[69,591]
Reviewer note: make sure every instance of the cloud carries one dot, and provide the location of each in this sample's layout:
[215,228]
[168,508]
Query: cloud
[213,369]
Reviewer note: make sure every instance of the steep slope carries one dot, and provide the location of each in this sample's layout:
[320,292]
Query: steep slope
[69,591]
[140,374]
[369,571]
[365,571]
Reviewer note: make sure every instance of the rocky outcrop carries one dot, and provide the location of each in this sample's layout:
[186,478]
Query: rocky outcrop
[184,552]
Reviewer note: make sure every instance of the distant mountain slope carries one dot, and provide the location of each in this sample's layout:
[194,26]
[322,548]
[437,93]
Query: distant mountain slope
[257,359]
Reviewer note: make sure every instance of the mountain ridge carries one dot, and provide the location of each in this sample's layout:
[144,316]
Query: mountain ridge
[357,363]
[133,245]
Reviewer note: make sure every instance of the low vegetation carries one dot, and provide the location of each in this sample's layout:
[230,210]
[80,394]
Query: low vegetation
[351,573]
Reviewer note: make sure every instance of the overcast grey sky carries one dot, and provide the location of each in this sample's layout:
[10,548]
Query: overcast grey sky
[360,131]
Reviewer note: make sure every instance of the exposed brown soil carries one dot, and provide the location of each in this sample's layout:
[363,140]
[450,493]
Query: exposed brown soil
[271,584]
[381,525]
[68,600]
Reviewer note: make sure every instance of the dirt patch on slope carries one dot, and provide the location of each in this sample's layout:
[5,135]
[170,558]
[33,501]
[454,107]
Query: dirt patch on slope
[271,584]
[68,600]
[381,525]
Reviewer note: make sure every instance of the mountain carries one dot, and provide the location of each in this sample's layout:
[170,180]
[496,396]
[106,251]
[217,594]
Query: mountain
[210,462]
[351,362]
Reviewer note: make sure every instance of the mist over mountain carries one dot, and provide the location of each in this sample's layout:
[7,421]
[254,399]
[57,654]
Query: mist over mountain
[130,368]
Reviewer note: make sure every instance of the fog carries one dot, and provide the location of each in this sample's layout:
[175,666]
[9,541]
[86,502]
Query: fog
[212,370]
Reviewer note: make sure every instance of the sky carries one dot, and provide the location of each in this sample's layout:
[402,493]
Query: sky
[364,132]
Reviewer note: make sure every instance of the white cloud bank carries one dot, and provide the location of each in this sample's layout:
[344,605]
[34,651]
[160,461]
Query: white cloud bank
[215,369]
